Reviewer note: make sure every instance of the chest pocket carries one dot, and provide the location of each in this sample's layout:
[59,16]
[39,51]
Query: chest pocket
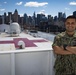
[73,42]
[65,40]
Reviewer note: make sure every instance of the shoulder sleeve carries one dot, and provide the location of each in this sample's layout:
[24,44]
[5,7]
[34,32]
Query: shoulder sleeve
[56,41]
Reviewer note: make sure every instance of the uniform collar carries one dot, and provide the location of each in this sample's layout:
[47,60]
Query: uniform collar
[74,35]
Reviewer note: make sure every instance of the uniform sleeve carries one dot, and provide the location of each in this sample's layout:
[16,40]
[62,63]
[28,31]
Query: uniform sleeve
[56,41]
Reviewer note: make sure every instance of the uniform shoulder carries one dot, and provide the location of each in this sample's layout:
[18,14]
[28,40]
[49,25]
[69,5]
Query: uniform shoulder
[60,35]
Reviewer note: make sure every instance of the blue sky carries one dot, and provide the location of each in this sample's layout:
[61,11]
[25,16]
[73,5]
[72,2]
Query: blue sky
[51,7]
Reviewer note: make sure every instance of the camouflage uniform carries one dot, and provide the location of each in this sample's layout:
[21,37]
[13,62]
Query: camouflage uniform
[65,64]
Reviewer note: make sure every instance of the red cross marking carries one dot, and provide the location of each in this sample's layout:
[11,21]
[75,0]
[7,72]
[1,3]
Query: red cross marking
[28,43]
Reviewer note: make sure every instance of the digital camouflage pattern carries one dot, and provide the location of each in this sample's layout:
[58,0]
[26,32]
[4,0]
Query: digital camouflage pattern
[65,64]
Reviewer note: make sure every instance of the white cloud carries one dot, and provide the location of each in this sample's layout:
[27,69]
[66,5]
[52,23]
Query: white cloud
[67,8]
[42,12]
[72,3]
[5,2]
[35,4]
[21,15]
[19,3]
[2,9]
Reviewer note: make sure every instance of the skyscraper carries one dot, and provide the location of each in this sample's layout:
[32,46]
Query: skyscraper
[74,13]
[9,17]
[60,15]
[64,15]
[15,16]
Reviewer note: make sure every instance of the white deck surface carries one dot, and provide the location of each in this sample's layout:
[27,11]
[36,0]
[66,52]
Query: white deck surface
[39,45]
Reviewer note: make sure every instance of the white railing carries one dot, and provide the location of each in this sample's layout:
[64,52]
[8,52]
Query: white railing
[23,62]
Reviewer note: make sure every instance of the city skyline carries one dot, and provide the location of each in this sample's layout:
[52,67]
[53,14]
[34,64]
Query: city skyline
[49,7]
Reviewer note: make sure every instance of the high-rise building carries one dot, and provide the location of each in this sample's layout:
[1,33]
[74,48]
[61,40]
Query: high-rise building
[55,18]
[49,17]
[5,17]
[60,15]
[9,17]
[0,19]
[34,18]
[64,15]
[74,13]
[15,16]
[40,17]
[25,19]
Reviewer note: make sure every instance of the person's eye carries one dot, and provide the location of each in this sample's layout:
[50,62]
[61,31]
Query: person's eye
[68,23]
[72,23]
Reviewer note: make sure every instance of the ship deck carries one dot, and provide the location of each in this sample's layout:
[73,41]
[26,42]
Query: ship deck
[8,43]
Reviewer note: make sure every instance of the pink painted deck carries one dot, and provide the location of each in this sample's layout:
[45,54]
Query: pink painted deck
[28,43]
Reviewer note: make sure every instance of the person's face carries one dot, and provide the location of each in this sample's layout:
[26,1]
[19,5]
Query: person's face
[70,25]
